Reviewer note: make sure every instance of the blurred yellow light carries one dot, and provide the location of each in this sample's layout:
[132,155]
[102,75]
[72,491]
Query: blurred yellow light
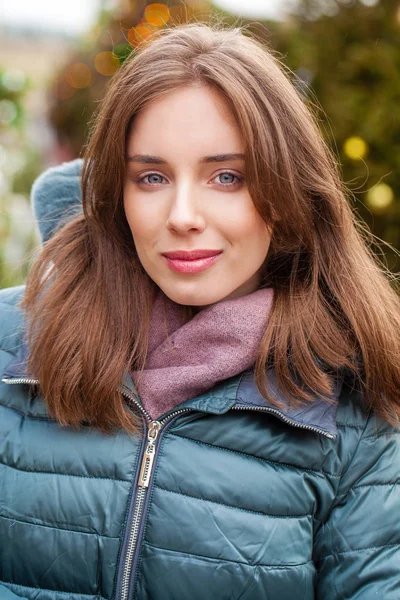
[157,14]
[137,34]
[398,15]
[78,75]
[106,63]
[380,197]
[355,147]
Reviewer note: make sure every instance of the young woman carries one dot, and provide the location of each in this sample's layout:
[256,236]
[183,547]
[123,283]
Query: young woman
[200,381]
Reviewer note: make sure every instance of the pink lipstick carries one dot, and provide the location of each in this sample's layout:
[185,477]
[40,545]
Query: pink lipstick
[191,261]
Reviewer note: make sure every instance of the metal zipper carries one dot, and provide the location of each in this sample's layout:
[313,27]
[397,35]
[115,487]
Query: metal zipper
[12,381]
[146,468]
[143,483]
[280,415]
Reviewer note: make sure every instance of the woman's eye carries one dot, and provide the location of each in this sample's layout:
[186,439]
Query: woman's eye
[151,181]
[228,179]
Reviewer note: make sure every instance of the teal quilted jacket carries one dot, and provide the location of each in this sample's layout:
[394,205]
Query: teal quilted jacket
[224,498]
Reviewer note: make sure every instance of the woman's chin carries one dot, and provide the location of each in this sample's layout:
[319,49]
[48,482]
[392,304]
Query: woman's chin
[196,296]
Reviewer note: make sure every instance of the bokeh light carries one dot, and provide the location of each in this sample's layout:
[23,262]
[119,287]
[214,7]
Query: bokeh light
[157,14]
[380,197]
[141,32]
[8,112]
[355,148]
[106,63]
[78,75]
[14,80]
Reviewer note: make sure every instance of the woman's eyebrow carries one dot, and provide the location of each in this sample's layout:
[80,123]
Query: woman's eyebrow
[157,160]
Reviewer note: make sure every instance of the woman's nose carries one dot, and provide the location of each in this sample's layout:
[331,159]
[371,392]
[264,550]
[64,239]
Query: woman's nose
[185,214]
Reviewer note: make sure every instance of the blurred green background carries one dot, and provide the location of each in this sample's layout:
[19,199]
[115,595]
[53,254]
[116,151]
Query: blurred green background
[344,56]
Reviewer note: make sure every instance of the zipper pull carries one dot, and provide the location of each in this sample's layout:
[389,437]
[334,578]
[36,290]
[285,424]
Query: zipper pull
[148,457]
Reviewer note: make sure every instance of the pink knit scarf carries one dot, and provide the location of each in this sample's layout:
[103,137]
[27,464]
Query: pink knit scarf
[187,359]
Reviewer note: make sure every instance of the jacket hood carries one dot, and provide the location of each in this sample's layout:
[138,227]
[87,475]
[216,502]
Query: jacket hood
[56,196]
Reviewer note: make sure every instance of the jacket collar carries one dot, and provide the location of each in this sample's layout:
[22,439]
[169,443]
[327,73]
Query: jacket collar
[237,393]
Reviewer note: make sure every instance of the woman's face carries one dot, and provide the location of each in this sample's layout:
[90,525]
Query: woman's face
[186,191]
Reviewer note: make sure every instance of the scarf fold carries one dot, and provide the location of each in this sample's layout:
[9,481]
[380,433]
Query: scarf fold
[185,360]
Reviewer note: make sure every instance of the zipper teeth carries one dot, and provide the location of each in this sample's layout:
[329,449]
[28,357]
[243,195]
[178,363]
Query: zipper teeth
[136,402]
[139,505]
[141,494]
[147,415]
[12,381]
[286,419]
[176,412]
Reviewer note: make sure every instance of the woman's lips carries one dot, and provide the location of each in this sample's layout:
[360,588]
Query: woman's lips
[185,265]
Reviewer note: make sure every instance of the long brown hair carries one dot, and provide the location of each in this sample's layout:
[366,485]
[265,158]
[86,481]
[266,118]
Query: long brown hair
[88,300]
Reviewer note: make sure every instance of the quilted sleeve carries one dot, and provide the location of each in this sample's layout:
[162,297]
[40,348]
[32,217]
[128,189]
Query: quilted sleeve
[6,594]
[357,549]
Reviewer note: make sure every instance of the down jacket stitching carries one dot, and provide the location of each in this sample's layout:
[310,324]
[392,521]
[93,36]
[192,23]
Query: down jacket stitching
[41,589]
[26,416]
[266,460]
[353,425]
[368,485]
[57,527]
[383,434]
[359,550]
[340,495]
[247,510]
[229,560]
[63,474]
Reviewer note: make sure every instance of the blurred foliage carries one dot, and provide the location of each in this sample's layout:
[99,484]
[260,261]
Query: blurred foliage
[20,164]
[346,57]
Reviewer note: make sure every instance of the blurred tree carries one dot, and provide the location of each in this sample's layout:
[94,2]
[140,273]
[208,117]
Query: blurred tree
[346,54]
[20,164]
